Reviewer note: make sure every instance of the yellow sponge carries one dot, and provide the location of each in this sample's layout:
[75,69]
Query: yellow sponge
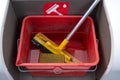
[51,58]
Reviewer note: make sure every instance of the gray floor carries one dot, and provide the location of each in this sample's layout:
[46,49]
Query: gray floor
[27,76]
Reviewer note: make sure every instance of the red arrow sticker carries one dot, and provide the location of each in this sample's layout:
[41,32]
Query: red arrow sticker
[56,8]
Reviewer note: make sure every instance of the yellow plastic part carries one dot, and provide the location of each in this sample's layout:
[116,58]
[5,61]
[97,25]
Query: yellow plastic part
[54,48]
[63,44]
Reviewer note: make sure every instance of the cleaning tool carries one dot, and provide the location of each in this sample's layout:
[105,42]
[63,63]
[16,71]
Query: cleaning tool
[41,40]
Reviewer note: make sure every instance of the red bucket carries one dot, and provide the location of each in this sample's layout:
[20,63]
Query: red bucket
[82,45]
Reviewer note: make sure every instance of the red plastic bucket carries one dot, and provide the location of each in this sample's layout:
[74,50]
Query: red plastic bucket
[82,45]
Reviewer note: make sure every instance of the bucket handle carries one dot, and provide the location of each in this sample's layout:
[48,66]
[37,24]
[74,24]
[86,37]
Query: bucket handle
[57,72]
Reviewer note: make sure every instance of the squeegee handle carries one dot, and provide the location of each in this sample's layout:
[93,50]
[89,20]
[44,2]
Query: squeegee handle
[66,40]
[82,19]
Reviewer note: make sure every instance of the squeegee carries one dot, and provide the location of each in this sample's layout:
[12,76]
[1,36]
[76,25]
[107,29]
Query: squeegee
[42,41]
